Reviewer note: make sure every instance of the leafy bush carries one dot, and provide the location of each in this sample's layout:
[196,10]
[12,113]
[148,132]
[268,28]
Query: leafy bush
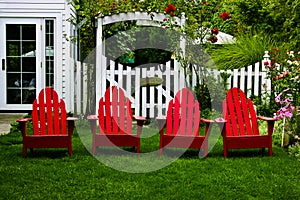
[210,93]
[248,49]
[279,18]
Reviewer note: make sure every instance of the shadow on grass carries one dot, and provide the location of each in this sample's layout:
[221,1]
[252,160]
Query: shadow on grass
[47,153]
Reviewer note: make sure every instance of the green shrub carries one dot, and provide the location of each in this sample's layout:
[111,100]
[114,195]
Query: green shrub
[248,49]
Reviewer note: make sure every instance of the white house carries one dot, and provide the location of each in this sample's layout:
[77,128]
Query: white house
[35,51]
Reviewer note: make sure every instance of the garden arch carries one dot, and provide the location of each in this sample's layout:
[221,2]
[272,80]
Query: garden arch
[102,74]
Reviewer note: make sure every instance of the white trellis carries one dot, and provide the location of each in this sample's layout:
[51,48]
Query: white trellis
[102,74]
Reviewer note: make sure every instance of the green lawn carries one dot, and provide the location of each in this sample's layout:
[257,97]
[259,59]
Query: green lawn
[52,174]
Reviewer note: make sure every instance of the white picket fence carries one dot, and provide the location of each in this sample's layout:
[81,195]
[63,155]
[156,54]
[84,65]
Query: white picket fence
[152,101]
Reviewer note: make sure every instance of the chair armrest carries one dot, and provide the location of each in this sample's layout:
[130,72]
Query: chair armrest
[221,122]
[206,120]
[71,125]
[270,121]
[161,122]
[207,125]
[23,124]
[139,118]
[161,119]
[24,120]
[92,117]
[266,118]
[140,122]
[72,118]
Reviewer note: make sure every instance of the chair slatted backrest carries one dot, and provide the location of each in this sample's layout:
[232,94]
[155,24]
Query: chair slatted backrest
[183,115]
[49,114]
[240,114]
[114,114]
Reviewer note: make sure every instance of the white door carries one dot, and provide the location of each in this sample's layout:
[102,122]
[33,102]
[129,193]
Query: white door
[21,52]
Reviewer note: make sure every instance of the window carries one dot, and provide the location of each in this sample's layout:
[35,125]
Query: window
[49,52]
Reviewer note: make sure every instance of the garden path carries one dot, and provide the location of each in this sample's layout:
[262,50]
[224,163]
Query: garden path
[6,119]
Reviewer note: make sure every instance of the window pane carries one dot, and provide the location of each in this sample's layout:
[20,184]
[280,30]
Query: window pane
[13,80]
[28,32]
[13,64]
[28,79]
[28,64]
[28,49]
[13,32]
[28,96]
[49,80]
[13,48]
[13,96]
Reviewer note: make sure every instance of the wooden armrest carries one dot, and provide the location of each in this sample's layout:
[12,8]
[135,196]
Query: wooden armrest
[266,118]
[23,124]
[220,120]
[161,118]
[92,117]
[270,121]
[206,120]
[139,118]
[72,118]
[24,120]
[161,122]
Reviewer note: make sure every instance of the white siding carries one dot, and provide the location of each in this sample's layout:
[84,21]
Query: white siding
[59,10]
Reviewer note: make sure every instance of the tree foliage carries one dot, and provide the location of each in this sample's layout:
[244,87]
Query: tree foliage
[198,14]
[279,18]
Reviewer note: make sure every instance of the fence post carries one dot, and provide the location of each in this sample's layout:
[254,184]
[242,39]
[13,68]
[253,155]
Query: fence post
[268,81]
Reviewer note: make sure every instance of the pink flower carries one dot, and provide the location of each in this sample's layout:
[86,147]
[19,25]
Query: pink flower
[287,109]
[277,99]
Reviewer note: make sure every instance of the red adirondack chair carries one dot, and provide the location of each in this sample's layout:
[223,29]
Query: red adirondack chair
[115,121]
[241,128]
[51,126]
[182,123]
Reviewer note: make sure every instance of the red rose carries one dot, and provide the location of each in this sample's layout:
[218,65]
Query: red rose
[167,10]
[213,39]
[170,9]
[224,15]
[215,31]
[266,63]
[204,2]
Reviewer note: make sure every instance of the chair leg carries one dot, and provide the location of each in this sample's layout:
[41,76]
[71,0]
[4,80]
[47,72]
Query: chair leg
[161,145]
[160,151]
[270,151]
[225,148]
[94,149]
[24,151]
[70,151]
[225,152]
[138,148]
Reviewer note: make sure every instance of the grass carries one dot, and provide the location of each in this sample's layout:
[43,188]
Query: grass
[52,174]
